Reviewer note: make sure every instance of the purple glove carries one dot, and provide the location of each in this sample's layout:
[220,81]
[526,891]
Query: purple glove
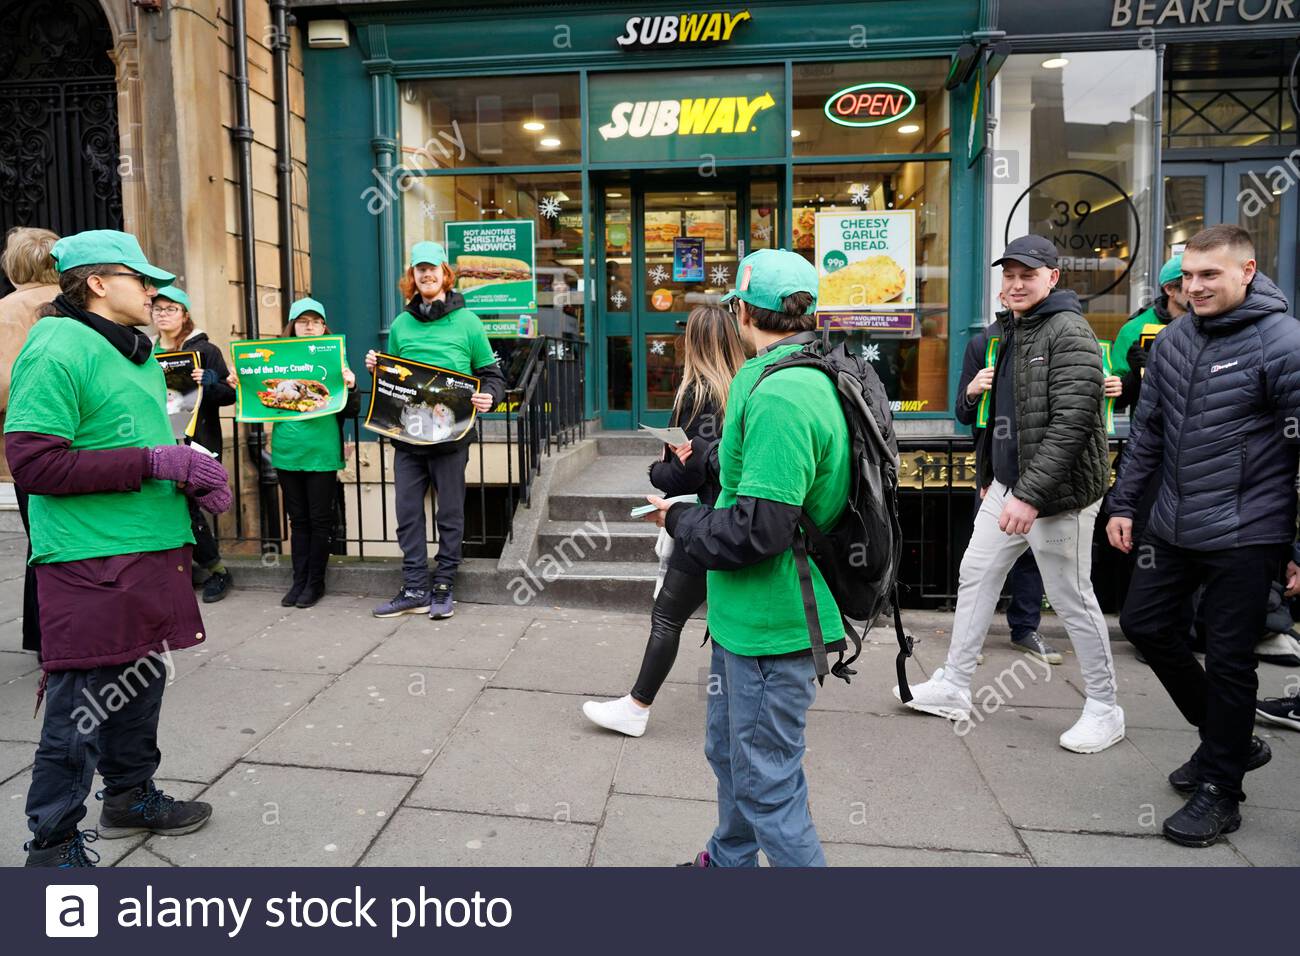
[185,466]
[215,502]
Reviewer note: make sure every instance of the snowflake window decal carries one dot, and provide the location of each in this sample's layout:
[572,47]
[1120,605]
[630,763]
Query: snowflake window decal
[860,194]
[430,211]
[720,275]
[618,298]
[550,207]
[763,231]
[871,353]
[657,347]
[657,275]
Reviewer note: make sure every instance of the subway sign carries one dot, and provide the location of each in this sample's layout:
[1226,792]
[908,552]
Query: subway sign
[702,116]
[870,104]
[684,30]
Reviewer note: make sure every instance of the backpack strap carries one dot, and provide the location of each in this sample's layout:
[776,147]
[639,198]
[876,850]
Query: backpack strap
[817,643]
[904,651]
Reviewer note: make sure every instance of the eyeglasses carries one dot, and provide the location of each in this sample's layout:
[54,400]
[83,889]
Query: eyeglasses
[166,309]
[145,282]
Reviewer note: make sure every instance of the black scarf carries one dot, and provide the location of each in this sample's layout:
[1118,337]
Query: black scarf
[130,341]
[432,311]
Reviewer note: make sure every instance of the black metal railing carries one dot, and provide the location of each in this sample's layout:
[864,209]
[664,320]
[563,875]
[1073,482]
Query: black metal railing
[543,411]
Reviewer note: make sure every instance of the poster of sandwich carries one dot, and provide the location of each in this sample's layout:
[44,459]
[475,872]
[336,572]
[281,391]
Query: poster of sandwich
[494,264]
[420,404]
[289,379]
[866,260]
[183,393]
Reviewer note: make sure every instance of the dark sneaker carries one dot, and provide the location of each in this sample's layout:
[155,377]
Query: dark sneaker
[291,596]
[1034,645]
[408,601]
[147,809]
[1210,814]
[1186,777]
[442,605]
[1283,711]
[68,853]
[310,595]
[701,859]
[199,576]
[217,586]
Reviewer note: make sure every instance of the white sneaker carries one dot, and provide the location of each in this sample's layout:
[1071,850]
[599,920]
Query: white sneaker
[621,715]
[939,696]
[1100,726]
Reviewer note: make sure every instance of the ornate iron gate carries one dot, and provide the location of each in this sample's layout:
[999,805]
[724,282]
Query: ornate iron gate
[58,117]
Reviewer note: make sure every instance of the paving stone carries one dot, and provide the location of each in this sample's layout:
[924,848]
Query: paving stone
[214,716]
[463,641]
[1040,785]
[11,598]
[287,816]
[871,691]
[311,641]
[523,753]
[376,717]
[141,857]
[852,854]
[1091,849]
[598,660]
[669,760]
[418,837]
[17,703]
[16,664]
[1268,837]
[653,831]
[905,781]
[13,819]
[11,635]
[15,757]
[1273,785]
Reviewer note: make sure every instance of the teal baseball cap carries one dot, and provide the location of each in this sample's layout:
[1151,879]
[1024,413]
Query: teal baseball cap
[431,252]
[106,247]
[764,278]
[1171,271]
[306,304]
[174,294]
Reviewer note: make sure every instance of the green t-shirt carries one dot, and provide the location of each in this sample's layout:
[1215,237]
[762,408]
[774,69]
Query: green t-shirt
[310,445]
[1127,337]
[69,381]
[457,341]
[792,447]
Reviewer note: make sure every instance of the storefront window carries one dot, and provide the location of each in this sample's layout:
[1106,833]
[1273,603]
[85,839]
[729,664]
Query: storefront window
[1238,97]
[880,106]
[912,363]
[618,249]
[490,121]
[1073,160]
[704,214]
[553,201]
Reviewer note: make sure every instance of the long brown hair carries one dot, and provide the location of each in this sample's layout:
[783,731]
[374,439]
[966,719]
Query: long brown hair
[408,287]
[713,354]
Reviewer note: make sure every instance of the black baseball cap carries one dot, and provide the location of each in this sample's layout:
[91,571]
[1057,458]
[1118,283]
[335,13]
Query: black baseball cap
[1032,251]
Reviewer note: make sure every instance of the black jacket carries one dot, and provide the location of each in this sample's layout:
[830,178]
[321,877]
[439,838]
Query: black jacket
[491,379]
[207,427]
[702,422]
[1060,431]
[1216,426]
[965,410]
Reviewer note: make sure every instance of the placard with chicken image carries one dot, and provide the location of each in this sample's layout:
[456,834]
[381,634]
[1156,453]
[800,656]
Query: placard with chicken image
[420,404]
[289,379]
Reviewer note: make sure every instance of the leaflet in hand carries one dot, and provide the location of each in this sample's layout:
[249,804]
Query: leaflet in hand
[643,510]
[669,436]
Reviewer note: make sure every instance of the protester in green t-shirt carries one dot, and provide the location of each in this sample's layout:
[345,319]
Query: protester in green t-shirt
[435,328]
[784,452]
[307,456]
[88,438]
[1133,342]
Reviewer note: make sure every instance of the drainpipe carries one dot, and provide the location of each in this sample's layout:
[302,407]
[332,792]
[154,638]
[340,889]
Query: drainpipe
[281,18]
[1156,255]
[241,134]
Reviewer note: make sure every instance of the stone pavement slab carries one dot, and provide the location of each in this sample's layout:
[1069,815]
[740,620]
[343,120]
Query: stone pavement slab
[470,641]
[653,831]
[287,816]
[11,635]
[1091,849]
[14,757]
[17,703]
[669,760]
[1268,837]
[852,854]
[312,643]
[376,717]
[523,753]
[441,838]
[16,664]
[1273,785]
[141,857]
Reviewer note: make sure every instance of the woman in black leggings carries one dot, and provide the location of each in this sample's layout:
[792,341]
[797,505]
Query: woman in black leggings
[713,353]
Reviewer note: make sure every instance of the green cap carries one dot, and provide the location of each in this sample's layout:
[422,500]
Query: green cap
[1172,270]
[764,278]
[431,252]
[106,247]
[306,305]
[174,294]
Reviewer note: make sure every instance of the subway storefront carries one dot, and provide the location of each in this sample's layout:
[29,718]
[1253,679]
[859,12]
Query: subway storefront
[651,147]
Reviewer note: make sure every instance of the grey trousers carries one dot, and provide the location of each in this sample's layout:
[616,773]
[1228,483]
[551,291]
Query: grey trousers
[413,476]
[1062,546]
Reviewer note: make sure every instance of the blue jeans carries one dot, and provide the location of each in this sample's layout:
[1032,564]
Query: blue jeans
[757,710]
[1025,610]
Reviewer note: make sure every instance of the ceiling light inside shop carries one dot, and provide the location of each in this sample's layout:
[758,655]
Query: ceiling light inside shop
[1055,63]
[614,195]
[533,126]
[795,134]
[909,128]
[550,142]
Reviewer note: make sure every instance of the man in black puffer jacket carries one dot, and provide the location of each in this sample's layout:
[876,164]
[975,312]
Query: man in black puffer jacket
[1216,426]
[1045,466]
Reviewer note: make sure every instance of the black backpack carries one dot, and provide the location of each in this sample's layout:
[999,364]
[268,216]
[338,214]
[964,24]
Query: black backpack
[859,557]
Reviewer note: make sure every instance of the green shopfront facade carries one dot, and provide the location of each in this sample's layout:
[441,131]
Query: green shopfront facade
[711,132]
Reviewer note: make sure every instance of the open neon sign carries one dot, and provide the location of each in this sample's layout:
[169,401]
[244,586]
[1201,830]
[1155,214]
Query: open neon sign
[870,104]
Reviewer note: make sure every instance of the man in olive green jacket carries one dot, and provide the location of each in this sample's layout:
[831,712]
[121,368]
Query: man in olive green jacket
[1046,469]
